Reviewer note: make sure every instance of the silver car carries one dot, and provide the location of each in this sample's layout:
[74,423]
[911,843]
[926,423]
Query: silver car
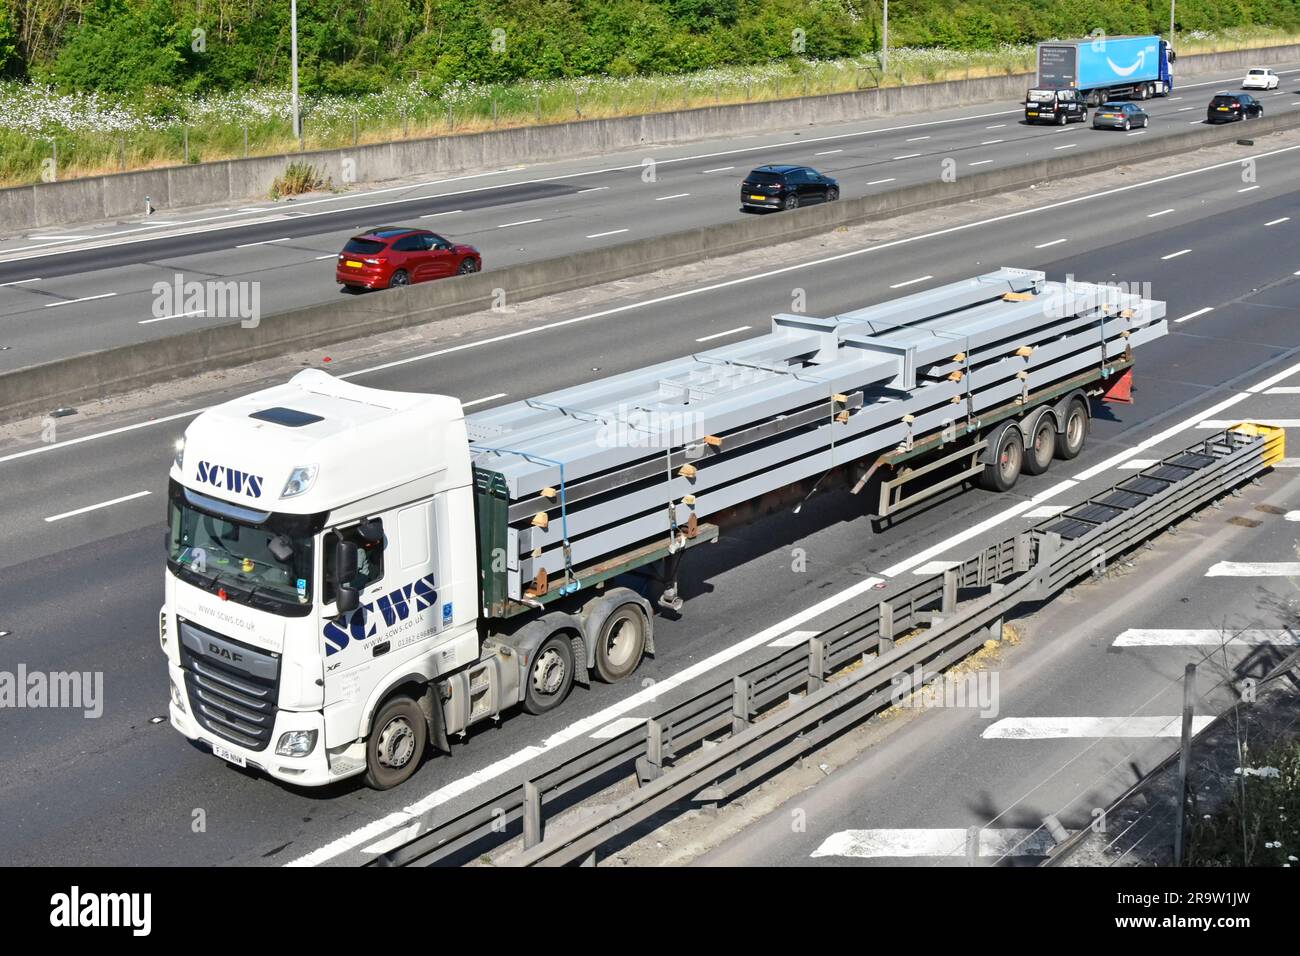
[1123,116]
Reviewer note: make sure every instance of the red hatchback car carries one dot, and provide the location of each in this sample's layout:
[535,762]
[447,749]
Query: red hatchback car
[397,256]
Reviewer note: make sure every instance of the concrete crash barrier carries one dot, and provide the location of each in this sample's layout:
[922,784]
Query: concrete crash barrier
[97,375]
[123,194]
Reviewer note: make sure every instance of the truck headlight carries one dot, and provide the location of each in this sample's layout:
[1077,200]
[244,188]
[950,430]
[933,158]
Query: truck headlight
[296,743]
[180,453]
[177,698]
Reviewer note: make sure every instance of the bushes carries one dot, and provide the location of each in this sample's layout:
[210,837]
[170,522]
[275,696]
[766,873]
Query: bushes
[127,46]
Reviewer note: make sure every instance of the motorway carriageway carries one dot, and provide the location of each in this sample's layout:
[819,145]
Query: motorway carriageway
[76,289]
[82,592]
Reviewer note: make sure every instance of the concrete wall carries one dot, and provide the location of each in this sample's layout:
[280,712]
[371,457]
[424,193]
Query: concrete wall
[96,375]
[123,194]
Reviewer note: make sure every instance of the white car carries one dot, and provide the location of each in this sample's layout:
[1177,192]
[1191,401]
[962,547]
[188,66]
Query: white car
[1260,78]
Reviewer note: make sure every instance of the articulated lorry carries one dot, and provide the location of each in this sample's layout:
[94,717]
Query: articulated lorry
[354,575]
[1076,74]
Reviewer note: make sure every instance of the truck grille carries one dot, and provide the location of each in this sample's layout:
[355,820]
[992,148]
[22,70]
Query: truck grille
[232,687]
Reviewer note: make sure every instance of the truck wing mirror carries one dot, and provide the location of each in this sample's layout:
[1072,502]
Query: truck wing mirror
[347,598]
[371,531]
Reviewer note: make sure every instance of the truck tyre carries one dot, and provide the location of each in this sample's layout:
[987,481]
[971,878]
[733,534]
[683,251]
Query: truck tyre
[1042,446]
[620,643]
[1001,473]
[1074,432]
[396,743]
[550,675]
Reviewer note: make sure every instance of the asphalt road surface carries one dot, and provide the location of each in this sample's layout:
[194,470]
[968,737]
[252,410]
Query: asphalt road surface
[82,288]
[81,559]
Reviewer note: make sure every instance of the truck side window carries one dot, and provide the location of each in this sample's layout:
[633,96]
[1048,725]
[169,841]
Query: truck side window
[370,559]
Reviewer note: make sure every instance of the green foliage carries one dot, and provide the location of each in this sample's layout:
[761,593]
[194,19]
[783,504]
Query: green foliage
[132,46]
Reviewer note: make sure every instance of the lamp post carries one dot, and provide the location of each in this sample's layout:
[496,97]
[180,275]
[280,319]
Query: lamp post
[884,41]
[293,29]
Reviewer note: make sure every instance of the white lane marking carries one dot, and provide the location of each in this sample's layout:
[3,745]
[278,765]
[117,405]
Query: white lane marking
[980,162]
[1283,390]
[264,242]
[1278,222]
[720,169]
[620,726]
[741,280]
[1139,132]
[521,222]
[877,182]
[996,126]
[976,530]
[1197,637]
[916,139]
[445,212]
[1137,464]
[1162,212]
[485,398]
[935,567]
[1293,516]
[579,728]
[1175,255]
[1254,569]
[1191,315]
[908,156]
[63,238]
[1221,423]
[102,504]
[19,282]
[1247,189]
[1066,146]
[601,235]
[718,335]
[673,196]
[794,639]
[1175,99]
[992,142]
[1194,123]
[906,844]
[164,318]
[899,285]
[87,298]
[1056,728]
[593,189]
[1054,242]
[332,255]
[1184,109]
[831,152]
[1046,511]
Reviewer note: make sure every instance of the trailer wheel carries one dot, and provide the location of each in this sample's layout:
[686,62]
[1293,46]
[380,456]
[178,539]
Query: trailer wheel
[1075,431]
[396,743]
[550,675]
[620,643]
[1042,447]
[1001,473]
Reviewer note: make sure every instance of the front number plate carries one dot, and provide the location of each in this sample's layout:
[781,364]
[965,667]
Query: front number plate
[229,756]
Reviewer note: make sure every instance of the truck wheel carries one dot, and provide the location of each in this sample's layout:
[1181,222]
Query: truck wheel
[620,643]
[1075,432]
[1038,456]
[1001,473]
[396,743]
[550,677]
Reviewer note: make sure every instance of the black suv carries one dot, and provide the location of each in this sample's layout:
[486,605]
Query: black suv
[1228,107]
[786,187]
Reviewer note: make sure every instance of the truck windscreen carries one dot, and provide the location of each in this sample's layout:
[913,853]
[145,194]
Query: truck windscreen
[262,560]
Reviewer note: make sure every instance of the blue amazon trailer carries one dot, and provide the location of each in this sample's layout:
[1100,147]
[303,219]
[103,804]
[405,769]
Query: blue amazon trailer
[1090,72]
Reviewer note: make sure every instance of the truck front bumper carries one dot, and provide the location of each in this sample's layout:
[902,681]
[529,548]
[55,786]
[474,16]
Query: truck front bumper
[312,770]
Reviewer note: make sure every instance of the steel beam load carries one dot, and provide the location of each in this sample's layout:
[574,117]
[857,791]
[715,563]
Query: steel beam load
[586,472]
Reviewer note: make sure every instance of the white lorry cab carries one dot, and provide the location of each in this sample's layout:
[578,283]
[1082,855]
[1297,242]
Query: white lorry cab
[320,552]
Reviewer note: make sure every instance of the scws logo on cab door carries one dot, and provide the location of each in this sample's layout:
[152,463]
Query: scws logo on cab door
[230,479]
[394,607]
